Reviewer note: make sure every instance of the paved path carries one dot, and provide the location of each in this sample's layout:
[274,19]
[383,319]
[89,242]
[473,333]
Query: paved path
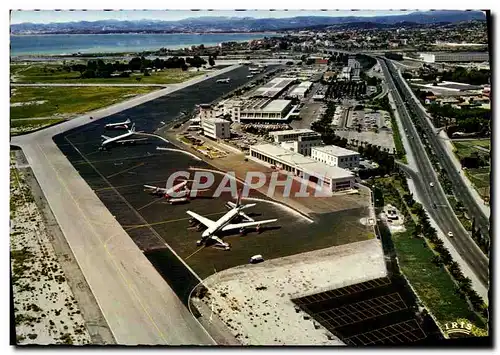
[139,306]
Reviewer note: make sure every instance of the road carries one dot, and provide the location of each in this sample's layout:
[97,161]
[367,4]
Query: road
[461,190]
[138,304]
[443,214]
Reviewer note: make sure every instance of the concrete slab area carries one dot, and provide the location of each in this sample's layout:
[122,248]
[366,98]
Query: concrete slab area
[255,301]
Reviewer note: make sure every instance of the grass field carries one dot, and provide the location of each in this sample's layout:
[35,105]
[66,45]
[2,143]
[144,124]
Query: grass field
[466,147]
[480,178]
[46,73]
[433,284]
[48,105]
[64,101]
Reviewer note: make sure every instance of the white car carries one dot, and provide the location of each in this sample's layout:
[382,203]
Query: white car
[450,234]
[431,184]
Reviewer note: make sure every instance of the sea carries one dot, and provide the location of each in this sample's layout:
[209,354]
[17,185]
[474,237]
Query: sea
[66,44]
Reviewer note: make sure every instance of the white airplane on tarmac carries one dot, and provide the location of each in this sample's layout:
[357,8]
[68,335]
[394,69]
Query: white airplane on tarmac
[226,80]
[120,139]
[223,224]
[231,205]
[177,193]
[119,125]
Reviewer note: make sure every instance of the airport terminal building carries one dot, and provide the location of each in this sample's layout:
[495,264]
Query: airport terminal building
[336,156]
[333,178]
[298,140]
[216,128]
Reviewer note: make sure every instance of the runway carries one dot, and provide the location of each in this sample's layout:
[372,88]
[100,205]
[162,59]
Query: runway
[138,305]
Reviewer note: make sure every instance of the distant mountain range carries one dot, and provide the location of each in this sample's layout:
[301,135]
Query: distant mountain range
[241,24]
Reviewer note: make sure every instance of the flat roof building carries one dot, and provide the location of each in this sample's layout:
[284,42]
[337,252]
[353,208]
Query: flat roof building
[291,134]
[334,178]
[273,88]
[301,90]
[216,128]
[258,110]
[435,57]
[336,156]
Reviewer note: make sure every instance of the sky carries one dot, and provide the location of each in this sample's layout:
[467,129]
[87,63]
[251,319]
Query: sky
[48,16]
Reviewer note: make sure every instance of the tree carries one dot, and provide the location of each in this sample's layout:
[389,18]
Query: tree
[135,63]
[211,61]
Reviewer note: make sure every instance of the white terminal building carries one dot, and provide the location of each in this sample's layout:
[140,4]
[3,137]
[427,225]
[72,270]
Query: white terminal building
[298,140]
[216,128]
[336,156]
[332,177]
[301,90]
[437,57]
[259,110]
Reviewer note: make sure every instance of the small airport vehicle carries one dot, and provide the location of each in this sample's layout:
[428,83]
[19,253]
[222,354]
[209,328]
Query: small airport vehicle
[434,205]
[256,259]
[450,234]
[431,184]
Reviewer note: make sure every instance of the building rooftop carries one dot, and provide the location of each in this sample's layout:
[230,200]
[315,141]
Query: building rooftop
[320,169]
[309,165]
[277,105]
[215,120]
[334,150]
[292,131]
[273,87]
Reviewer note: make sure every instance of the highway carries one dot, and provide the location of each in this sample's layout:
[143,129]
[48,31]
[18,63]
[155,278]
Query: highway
[461,190]
[443,214]
[137,303]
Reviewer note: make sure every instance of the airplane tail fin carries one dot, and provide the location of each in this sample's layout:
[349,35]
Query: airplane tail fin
[238,199]
[105,137]
[133,128]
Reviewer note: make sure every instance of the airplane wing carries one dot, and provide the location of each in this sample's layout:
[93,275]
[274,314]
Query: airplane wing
[248,218]
[131,140]
[153,187]
[247,224]
[203,220]
[105,137]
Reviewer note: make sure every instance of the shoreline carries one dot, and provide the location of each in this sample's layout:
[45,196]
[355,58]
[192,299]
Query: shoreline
[111,49]
[144,33]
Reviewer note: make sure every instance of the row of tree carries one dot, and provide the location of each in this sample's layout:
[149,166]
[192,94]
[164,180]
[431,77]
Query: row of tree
[423,229]
[98,68]
[468,76]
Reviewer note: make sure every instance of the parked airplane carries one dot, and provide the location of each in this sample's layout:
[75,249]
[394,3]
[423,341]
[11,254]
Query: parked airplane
[119,125]
[177,193]
[223,224]
[223,80]
[120,139]
[231,205]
